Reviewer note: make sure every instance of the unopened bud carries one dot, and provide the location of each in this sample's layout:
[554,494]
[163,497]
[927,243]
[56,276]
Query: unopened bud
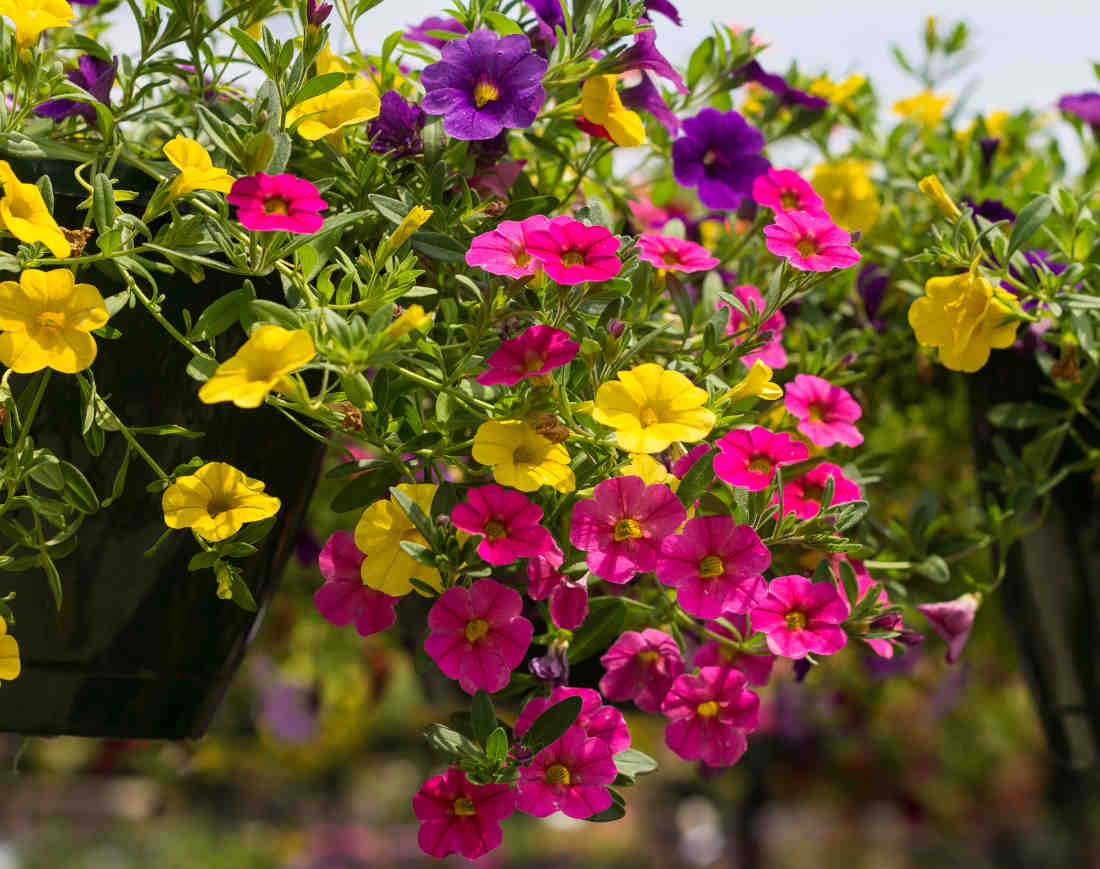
[615,328]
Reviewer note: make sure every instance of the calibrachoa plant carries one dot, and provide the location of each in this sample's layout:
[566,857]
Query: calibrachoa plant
[597,416]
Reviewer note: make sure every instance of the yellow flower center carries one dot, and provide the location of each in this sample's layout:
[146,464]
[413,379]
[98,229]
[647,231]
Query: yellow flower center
[573,258]
[648,416]
[709,709]
[476,629]
[494,530]
[817,412]
[276,205]
[485,92]
[796,621]
[807,246]
[465,807]
[670,258]
[219,505]
[760,463]
[557,774]
[524,455]
[51,320]
[648,656]
[627,529]
[789,199]
[533,362]
[711,566]
[521,257]
[20,207]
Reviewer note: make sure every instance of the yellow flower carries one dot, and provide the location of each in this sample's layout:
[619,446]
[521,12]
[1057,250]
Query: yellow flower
[758,383]
[650,470]
[415,219]
[964,318]
[197,170]
[600,104]
[45,320]
[839,93]
[325,117]
[31,17]
[650,407]
[258,367]
[995,124]
[924,108]
[379,532]
[411,318]
[522,458]
[23,213]
[931,187]
[216,501]
[849,195]
[10,666]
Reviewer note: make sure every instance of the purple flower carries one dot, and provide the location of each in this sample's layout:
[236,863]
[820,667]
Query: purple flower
[720,154]
[871,285]
[988,146]
[645,97]
[788,95]
[1086,106]
[485,83]
[419,33]
[94,75]
[643,54]
[666,9]
[396,128]
[285,709]
[549,16]
[991,209]
[316,15]
[952,620]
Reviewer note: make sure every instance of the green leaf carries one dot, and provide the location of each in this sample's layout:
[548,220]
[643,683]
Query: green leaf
[415,515]
[202,560]
[52,577]
[250,47]
[606,616]
[616,810]
[201,368]
[319,85]
[240,593]
[934,568]
[553,722]
[497,746]
[418,552]
[1028,221]
[272,312]
[520,209]
[632,763]
[103,202]
[1026,414]
[700,62]
[394,210]
[438,246]
[925,509]
[501,23]
[222,314]
[848,580]
[483,719]
[78,491]
[696,480]
[365,490]
[452,743]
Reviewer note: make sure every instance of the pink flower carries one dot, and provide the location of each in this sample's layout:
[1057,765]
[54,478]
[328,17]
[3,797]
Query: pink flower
[343,599]
[825,412]
[537,350]
[715,565]
[803,495]
[503,251]
[268,203]
[675,254]
[596,719]
[810,241]
[687,461]
[478,636]
[801,617]
[568,597]
[508,522]
[748,457]
[641,667]
[785,190]
[882,648]
[772,353]
[458,816]
[952,620]
[572,253]
[571,775]
[621,526]
[712,713]
[757,668]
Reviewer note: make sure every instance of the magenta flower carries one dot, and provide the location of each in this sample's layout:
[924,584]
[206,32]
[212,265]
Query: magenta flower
[772,353]
[687,461]
[508,522]
[269,203]
[570,775]
[536,350]
[757,668]
[952,620]
[568,597]
[712,714]
[478,636]
[621,526]
[595,719]
[503,251]
[458,816]
[343,599]
[803,495]
[715,565]
[748,457]
[484,84]
[785,190]
[826,413]
[882,648]
[801,617]
[810,241]
[572,253]
[641,667]
[675,254]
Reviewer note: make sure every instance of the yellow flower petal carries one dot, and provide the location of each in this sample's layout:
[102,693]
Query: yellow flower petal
[45,320]
[757,383]
[849,195]
[601,104]
[34,16]
[650,407]
[379,533]
[216,501]
[197,170]
[10,665]
[248,376]
[522,458]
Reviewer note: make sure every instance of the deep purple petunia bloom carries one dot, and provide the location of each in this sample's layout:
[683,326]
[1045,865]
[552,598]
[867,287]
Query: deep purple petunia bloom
[720,154]
[645,97]
[666,8]
[871,284]
[419,32]
[484,84]
[788,95]
[1086,106]
[991,209]
[643,54]
[396,128]
[94,75]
